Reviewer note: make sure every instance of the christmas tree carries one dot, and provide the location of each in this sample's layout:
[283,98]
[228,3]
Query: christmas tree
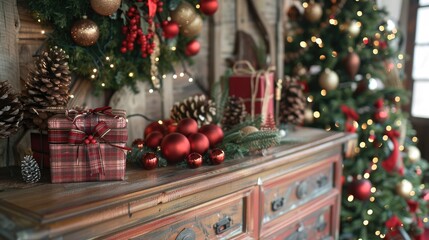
[345,55]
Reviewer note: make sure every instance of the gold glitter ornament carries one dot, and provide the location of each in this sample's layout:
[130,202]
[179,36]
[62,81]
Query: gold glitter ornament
[184,14]
[248,130]
[404,188]
[313,12]
[85,32]
[193,28]
[105,7]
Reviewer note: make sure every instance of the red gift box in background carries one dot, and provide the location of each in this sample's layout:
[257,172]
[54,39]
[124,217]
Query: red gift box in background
[87,146]
[256,88]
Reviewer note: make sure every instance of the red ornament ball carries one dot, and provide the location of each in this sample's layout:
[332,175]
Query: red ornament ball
[209,7]
[138,143]
[213,132]
[153,139]
[175,147]
[170,124]
[194,160]
[187,126]
[361,189]
[217,156]
[381,116]
[192,48]
[199,143]
[155,126]
[171,29]
[149,161]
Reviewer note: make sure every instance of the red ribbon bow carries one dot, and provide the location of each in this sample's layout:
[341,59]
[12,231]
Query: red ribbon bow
[92,147]
[393,222]
[395,159]
[350,116]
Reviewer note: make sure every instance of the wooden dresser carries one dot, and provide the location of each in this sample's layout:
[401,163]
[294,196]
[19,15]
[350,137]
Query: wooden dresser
[289,192]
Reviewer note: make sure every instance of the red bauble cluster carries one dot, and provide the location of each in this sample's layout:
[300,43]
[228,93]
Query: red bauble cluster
[361,189]
[381,114]
[175,147]
[134,34]
[209,7]
[192,48]
[194,160]
[217,156]
[170,29]
[149,161]
[177,141]
[213,132]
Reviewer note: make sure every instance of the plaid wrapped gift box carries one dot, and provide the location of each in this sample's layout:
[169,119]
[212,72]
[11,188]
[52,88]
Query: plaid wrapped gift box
[88,146]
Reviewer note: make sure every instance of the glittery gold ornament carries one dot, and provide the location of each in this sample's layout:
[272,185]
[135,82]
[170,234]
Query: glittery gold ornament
[313,12]
[414,154]
[193,28]
[248,130]
[329,80]
[105,7]
[85,32]
[354,28]
[404,188]
[184,14]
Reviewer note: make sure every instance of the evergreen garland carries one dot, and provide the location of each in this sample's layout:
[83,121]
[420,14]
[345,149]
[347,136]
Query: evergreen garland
[98,59]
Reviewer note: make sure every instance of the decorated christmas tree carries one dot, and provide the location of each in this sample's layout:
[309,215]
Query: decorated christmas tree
[344,54]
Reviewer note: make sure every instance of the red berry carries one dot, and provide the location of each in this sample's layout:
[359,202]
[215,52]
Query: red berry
[86,141]
[93,141]
[123,50]
[90,137]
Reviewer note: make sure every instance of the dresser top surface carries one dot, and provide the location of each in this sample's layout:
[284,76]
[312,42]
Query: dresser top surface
[44,201]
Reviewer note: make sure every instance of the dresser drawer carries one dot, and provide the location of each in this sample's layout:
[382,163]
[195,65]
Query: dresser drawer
[286,193]
[223,218]
[317,225]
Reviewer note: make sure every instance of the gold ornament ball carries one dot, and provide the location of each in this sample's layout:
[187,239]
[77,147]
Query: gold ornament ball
[313,12]
[184,14]
[414,154]
[354,28]
[193,28]
[308,116]
[404,188]
[329,80]
[248,130]
[85,32]
[105,7]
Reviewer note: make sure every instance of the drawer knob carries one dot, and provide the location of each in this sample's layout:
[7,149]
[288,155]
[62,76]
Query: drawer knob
[186,234]
[301,190]
[223,225]
[322,181]
[277,204]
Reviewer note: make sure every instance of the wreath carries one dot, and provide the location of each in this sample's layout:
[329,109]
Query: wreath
[117,43]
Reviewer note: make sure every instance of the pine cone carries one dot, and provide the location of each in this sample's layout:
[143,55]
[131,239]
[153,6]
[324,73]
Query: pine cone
[30,170]
[47,86]
[10,110]
[234,113]
[293,102]
[198,107]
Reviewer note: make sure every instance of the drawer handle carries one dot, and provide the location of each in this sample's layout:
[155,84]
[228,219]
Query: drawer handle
[223,225]
[321,224]
[322,181]
[186,234]
[301,190]
[277,204]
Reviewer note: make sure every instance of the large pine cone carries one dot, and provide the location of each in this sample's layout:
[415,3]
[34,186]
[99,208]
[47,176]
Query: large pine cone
[234,112]
[10,110]
[293,102]
[46,87]
[198,107]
